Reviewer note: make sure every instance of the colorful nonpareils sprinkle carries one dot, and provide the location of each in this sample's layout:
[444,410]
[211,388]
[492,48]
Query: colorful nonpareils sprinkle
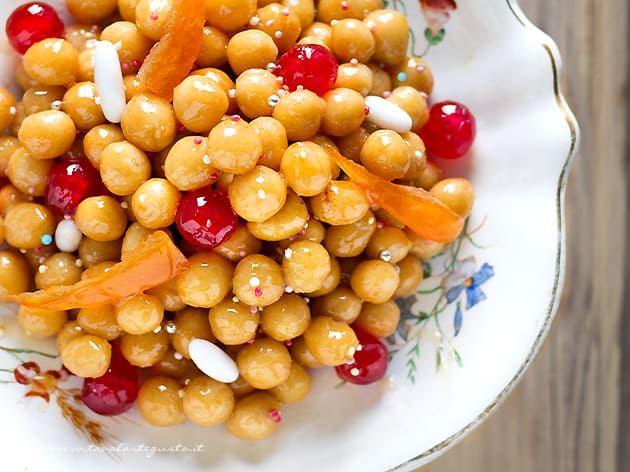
[198,141]
[46,239]
[275,415]
[258,292]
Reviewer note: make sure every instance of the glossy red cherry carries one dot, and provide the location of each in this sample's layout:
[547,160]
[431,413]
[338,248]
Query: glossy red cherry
[205,217]
[310,65]
[450,131]
[116,391]
[370,361]
[69,182]
[31,23]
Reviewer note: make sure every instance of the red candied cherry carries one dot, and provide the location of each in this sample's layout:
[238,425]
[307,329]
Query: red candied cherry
[205,217]
[31,23]
[69,182]
[450,131]
[369,363]
[114,392]
[310,65]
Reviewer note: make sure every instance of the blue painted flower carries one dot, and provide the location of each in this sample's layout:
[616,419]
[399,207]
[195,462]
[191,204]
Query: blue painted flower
[464,277]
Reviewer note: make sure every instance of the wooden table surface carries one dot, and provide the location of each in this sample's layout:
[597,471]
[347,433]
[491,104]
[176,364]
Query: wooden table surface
[571,412]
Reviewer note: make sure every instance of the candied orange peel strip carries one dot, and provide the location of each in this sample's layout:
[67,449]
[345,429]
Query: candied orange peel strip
[156,261]
[415,207]
[174,55]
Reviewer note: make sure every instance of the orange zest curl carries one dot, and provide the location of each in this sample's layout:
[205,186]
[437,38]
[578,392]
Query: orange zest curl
[420,211]
[156,261]
[173,57]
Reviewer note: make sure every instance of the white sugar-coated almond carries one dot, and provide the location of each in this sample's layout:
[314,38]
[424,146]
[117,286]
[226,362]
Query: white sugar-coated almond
[67,236]
[387,115]
[109,81]
[212,360]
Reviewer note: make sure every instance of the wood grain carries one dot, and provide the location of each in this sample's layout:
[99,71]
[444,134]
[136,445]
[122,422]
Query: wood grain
[565,414]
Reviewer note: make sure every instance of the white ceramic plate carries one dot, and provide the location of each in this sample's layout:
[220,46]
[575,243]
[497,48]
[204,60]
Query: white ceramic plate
[510,270]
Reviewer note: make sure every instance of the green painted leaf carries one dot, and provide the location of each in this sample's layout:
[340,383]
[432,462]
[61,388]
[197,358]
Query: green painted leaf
[426,267]
[434,39]
[458,358]
[438,359]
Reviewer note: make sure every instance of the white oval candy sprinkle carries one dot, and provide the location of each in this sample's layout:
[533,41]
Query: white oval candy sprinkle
[67,236]
[387,115]
[109,81]
[212,360]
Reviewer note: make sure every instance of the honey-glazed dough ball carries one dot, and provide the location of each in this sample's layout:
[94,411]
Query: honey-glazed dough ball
[27,173]
[149,122]
[190,323]
[127,9]
[152,17]
[342,304]
[256,90]
[341,203]
[87,356]
[306,265]
[176,366]
[350,240]
[41,98]
[300,113]
[207,402]
[289,221]
[295,387]
[98,138]
[281,23]
[255,416]
[264,363]
[59,269]
[144,350]
[91,12]
[187,164]
[329,10]
[86,64]
[381,82]
[258,194]
[251,49]
[52,61]
[7,108]
[47,134]
[8,145]
[301,354]
[234,146]
[155,202]
[345,111]
[331,281]
[380,320]
[389,244]
[351,39]
[414,72]
[391,34]
[27,223]
[69,331]
[123,167]
[258,280]
[80,103]
[133,86]
[233,323]
[385,154]
[82,36]
[286,319]
[411,274]
[331,342]
[306,167]
[240,244]
[413,103]
[304,9]
[23,79]
[213,51]
[229,15]
[273,138]
[15,274]
[207,281]
[375,281]
[456,193]
[417,155]
[94,253]
[100,321]
[357,77]
[139,314]
[41,323]
[223,80]
[134,45]
[159,402]
[101,218]
[199,103]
